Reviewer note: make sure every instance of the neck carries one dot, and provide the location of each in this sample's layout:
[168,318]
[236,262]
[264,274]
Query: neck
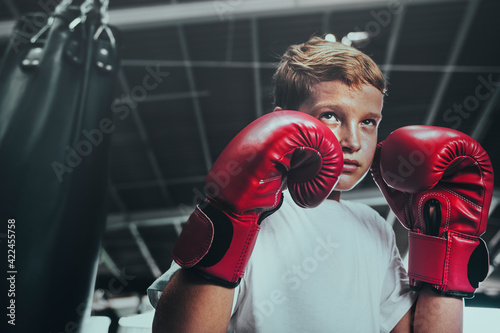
[335,195]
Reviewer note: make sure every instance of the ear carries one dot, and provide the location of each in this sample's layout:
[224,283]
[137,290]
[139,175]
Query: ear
[278,108]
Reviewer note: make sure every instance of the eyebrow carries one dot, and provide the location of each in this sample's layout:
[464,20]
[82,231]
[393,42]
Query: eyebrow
[340,108]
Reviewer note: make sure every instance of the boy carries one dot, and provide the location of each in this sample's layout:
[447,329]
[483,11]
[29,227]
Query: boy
[332,268]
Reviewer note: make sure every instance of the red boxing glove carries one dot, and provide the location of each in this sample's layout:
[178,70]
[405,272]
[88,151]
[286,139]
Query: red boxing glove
[280,149]
[439,183]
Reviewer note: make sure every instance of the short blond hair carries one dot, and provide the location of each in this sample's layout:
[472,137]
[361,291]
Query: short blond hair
[318,60]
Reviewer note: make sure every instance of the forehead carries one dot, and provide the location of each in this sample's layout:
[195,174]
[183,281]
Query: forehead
[338,93]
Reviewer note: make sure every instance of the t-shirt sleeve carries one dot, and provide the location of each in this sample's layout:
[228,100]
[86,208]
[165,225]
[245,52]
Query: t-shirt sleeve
[156,288]
[396,298]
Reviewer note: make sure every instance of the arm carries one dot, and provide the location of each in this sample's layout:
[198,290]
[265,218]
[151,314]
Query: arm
[443,200]
[432,313]
[190,304]
[406,323]
[242,188]
[435,313]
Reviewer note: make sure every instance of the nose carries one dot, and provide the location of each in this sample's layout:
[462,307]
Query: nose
[349,138]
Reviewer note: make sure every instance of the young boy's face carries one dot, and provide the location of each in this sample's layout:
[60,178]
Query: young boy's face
[353,115]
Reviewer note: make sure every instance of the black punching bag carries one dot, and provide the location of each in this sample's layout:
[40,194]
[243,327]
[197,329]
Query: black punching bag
[55,126]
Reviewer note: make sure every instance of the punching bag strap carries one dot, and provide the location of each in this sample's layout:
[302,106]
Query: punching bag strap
[85,8]
[104,23]
[59,9]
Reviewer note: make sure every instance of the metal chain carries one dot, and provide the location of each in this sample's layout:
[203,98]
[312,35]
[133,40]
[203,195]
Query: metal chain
[85,8]
[62,6]
[59,8]
[104,12]
[104,23]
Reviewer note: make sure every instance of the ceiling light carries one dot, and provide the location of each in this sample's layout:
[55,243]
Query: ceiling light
[358,36]
[330,37]
[346,41]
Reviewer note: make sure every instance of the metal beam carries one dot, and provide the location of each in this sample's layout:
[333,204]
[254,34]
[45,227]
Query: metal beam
[205,64]
[165,97]
[110,263]
[153,183]
[391,218]
[200,123]
[442,68]
[371,197]
[458,44]
[143,248]
[113,192]
[484,120]
[159,220]
[272,65]
[146,141]
[256,69]
[393,41]
[206,11]
[230,41]
[325,23]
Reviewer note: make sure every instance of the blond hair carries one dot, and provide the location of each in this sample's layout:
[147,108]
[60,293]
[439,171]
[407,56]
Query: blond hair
[319,60]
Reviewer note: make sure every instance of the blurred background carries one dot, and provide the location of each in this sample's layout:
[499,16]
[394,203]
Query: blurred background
[194,73]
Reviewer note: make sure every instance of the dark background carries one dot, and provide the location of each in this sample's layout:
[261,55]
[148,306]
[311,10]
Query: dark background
[216,59]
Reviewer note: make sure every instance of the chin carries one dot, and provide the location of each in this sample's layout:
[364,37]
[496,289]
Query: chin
[349,181]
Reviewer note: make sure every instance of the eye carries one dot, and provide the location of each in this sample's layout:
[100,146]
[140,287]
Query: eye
[328,117]
[369,122]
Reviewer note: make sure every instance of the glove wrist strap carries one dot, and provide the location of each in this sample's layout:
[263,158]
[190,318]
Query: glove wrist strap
[453,264]
[216,245]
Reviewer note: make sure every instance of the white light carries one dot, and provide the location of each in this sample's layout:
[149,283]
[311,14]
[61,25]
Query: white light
[346,41]
[330,37]
[136,323]
[95,324]
[483,320]
[358,36]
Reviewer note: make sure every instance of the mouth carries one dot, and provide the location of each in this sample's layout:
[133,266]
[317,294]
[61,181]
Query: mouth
[350,165]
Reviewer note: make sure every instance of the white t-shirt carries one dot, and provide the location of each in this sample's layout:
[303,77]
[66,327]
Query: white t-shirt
[333,268]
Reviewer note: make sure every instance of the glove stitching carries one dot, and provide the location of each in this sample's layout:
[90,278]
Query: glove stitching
[206,245]
[424,278]
[250,236]
[429,238]
[461,197]
[447,264]
[472,238]
[408,197]
[420,211]
[481,170]
[251,195]
[484,192]
[277,191]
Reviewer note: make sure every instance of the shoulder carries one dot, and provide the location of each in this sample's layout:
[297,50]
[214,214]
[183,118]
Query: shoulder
[363,211]
[369,217]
